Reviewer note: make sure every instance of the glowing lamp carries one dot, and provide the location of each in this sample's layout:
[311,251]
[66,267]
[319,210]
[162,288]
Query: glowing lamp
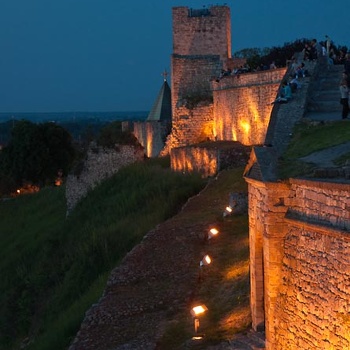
[205,261]
[198,310]
[228,211]
[195,312]
[212,233]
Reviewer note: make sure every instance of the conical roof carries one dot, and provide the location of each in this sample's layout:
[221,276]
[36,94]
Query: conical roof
[161,109]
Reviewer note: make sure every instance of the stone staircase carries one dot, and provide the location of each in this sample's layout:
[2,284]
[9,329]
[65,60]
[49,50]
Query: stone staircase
[324,92]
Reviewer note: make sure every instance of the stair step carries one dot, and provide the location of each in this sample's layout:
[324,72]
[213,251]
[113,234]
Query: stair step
[326,95]
[323,109]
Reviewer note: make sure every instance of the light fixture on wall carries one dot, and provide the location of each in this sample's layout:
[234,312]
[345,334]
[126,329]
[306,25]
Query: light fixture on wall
[197,311]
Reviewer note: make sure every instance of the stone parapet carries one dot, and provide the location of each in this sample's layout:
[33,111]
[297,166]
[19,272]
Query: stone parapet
[242,105]
[300,281]
[209,158]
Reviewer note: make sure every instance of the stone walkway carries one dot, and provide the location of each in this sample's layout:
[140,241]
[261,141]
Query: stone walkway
[325,157]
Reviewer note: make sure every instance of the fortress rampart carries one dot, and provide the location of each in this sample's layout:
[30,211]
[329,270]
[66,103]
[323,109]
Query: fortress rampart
[99,165]
[298,229]
[300,243]
[242,105]
[151,135]
[237,108]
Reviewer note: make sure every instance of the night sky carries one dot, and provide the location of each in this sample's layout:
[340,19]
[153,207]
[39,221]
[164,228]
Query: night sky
[108,55]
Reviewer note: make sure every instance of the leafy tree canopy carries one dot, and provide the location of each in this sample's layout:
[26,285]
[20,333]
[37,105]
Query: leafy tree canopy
[35,153]
[112,134]
[279,54]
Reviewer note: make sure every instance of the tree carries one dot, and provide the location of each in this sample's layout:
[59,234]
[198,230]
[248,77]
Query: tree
[60,152]
[112,134]
[36,152]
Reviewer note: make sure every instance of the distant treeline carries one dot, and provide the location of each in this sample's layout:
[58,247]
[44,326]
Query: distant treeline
[83,126]
[36,154]
[74,116]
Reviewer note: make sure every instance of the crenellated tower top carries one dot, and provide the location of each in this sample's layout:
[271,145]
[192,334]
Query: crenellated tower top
[202,32]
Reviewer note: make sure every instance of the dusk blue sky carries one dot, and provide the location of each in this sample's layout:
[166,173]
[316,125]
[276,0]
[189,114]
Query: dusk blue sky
[108,55]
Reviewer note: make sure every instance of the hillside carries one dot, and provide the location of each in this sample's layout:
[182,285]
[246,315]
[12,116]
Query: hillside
[53,269]
[148,298]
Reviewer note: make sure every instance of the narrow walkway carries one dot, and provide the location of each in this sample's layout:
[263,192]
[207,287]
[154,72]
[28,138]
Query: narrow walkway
[325,157]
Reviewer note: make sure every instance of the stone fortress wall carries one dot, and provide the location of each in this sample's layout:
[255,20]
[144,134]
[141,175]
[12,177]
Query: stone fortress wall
[300,266]
[99,165]
[242,105]
[151,135]
[298,229]
[237,108]
[201,47]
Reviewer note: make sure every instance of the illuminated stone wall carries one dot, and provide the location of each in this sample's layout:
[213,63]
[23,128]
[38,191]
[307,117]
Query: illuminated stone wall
[300,250]
[242,105]
[240,110]
[201,48]
[151,135]
[237,108]
[209,159]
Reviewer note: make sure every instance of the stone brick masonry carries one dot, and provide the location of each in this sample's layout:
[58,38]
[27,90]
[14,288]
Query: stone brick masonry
[99,165]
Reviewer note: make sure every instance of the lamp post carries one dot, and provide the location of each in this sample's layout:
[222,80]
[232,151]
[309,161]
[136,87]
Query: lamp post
[213,232]
[196,312]
[205,261]
[227,212]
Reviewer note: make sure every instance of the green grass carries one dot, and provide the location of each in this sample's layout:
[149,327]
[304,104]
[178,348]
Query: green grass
[54,268]
[308,138]
[224,287]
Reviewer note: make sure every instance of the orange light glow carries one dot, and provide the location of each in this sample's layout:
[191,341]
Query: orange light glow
[234,134]
[245,126]
[149,142]
[212,233]
[236,271]
[228,209]
[198,310]
[246,120]
[205,261]
[188,160]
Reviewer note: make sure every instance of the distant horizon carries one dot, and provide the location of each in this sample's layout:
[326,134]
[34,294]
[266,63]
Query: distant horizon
[79,111]
[64,116]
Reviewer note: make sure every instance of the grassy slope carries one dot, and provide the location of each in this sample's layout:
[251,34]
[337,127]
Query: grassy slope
[53,269]
[224,287]
[308,139]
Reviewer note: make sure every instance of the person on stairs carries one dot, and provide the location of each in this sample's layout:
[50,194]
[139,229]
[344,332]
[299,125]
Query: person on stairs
[344,98]
[285,93]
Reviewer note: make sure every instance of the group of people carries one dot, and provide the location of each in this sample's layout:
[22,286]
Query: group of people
[236,71]
[326,49]
[293,83]
[344,87]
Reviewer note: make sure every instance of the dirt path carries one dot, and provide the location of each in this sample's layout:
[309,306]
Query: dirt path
[325,157]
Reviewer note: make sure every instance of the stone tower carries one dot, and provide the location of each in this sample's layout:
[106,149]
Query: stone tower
[201,48]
